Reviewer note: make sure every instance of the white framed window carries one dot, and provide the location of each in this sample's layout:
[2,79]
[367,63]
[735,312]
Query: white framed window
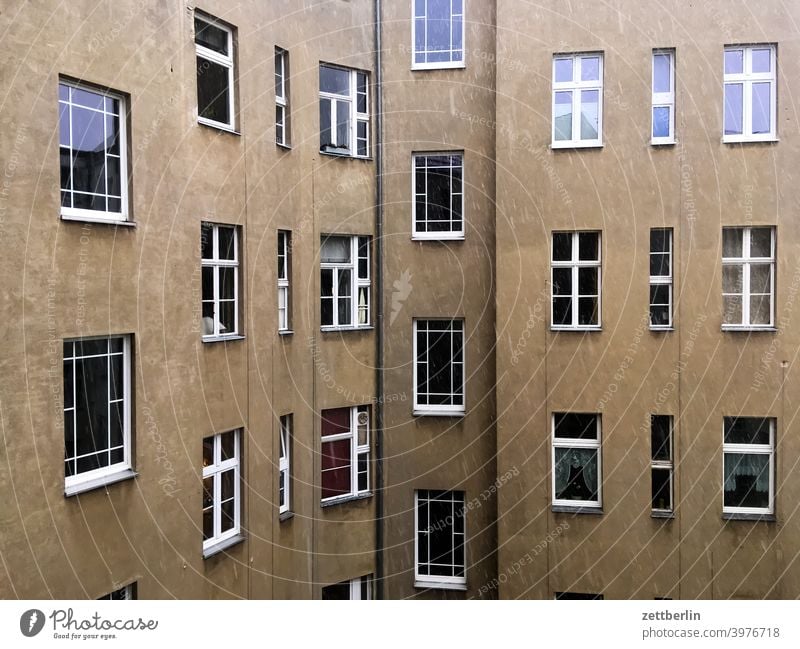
[577,100]
[93,150]
[125,593]
[221,488]
[663,113]
[281,97]
[750,104]
[439,367]
[343,111]
[660,278]
[440,538]
[345,282]
[576,282]
[220,280]
[661,463]
[284,275]
[577,469]
[285,464]
[438,34]
[748,471]
[97,411]
[438,211]
[345,452]
[748,277]
[359,588]
[214,44]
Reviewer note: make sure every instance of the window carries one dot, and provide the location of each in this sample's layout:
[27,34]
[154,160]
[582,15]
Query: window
[748,465]
[97,410]
[93,147]
[221,497]
[748,277]
[360,588]
[285,465]
[570,595]
[214,45]
[576,459]
[345,273]
[661,278]
[343,111]
[578,100]
[284,273]
[440,538]
[663,97]
[220,268]
[126,592]
[438,34]
[661,466]
[438,367]
[345,452]
[281,97]
[750,94]
[576,280]
[439,196]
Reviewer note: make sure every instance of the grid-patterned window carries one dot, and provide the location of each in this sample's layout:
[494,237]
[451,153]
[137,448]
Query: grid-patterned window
[221,489]
[94,153]
[345,281]
[281,97]
[439,366]
[345,452]
[438,196]
[438,34]
[663,115]
[576,459]
[220,279]
[97,409]
[440,537]
[750,94]
[126,592]
[284,281]
[343,111]
[215,72]
[285,464]
[661,464]
[577,100]
[352,589]
[576,280]
[748,277]
[748,465]
[661,278]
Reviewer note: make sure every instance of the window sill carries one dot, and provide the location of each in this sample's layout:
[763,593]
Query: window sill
[736,329]
[335,329]
[222,546]
[221,339]
[339,500]
[438,413]
[657,329]
[439,585]
[424,67]
[285,516]
[346,156]
[568,509]
[753,518]
[438,237]
[285,147]
[98,219]
[576,329]
[285,332]
[219,126]
[576,145]
[750,140]
[662,514]
[658,143]
[105,481]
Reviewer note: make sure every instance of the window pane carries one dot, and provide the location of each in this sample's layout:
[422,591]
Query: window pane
[227,247]
[734,61]
[88,98]
[733,108]
[575,425]
[562,246]
[659,265]
[659,294]
[588,311]
[227,446]
[747,430]
[212,91]
[587,281]
[325,133]
[732,309]
[335,421]
[659,315]
[563,115]
[732,242]
[661,121]
[91,407]
[343,124]
[588,246]
[760,278]
[576,474]
[660,437]
[227,317]
[661,73]
[746,480]
[211,36]
[562,281]
[226,282]
[762,113]
[562,310]
[334,80]
[335,250]
[589,114]
[563,70]
[590,68]
[761,60]
[661,490]
[208,451]
[760,310]
[336,478]
[227,519]
[761,242]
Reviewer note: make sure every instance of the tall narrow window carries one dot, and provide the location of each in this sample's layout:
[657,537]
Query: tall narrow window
[343,111]
[345,282]
[220,270]
[438,34]
[438,367]
[748,277]
[284,274]
[661,278]
[661,468]
[281,97]
[97,411]
[577,100]
[440,538]
[663,97]
[285,465]
[749,465]
[94,153]
[221,490]
[215,73]
[345,452]
[438,196]
[750,94]
[353,589]
[576,280]
[576,459]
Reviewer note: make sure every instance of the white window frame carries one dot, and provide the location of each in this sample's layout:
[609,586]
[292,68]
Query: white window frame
[577,86]
[216,263]
[357,283]
[73,483]
[745,261]
[358,587]
[82,214]
[435,65]
[125,593]
[285,463]
[663,99]
[443,409]
[444,235]
[356,452]
[664,465]
[282,97]
[284,295]
[355,116]
[441,581]
[751,449]
[746,79]
[225,61]
[215,470]
[663,280]
[576,264]
[570,443]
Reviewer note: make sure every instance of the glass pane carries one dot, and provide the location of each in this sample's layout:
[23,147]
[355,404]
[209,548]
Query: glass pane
[63,125]
[590,107]
[661,121]
[760,278]
[661,489]
[227,247]
[575,425]
[562,246]
[659,294]
[227,446]
[661,73]
[226,282]
[760,310]
[91,407]
[588,311]
[228,521]
[733,108]
[213,91]
[88,98]
[588,246]
[562,311]
[208,283]
[747,482]
[747,430]
[762,114]
[732,279]
[440,359]
[659,315]
[208,451]
[732,309]
[587,281]
[335,250]
[210,36]
[343,124]
[734,61]
[563,70]
[207,241]
[732,242]
[325,133]
[576,474]
[761,242]
[562,281]
[112,132]
[227,481]
[590,68]
[660,437]
[659,241]
[336,466]
[562,115]
[761,60]
[227,317]
[361,92]
[334,80]
[659,265]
